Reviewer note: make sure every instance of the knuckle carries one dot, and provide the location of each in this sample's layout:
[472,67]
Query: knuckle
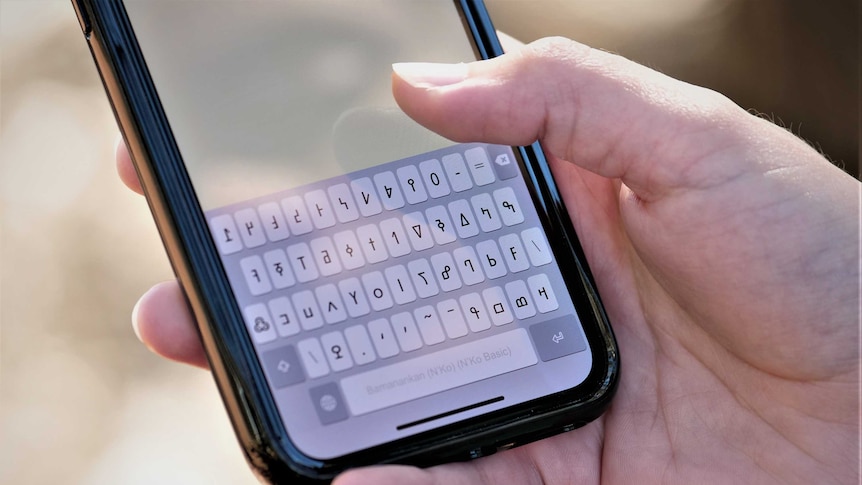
[555,47]
[555,51]
[553,58]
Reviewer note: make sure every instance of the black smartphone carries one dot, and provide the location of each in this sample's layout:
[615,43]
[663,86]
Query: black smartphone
[366,290]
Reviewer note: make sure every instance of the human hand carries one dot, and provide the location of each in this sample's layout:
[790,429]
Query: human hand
[725,250]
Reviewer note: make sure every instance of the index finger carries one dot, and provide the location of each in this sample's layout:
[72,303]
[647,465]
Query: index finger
[125,169]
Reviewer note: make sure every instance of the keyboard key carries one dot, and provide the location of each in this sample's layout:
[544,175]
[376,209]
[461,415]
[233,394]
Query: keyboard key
[312,357]
[434,178]
[475,313]
[325,256]
[513,253]
[320,210]
[306,310]
[422,277]
[360,344]
[411,184]
[297,217]
[453,320]
[354,297]
[335,349]
[456,170]
[480,167]
[498,307]
[286,323]
[557,337]
[537,247]
[505,167]
[507,205]
[542,293]
[225,235]
[377,291]
[259,323]
[255,275]
[395,237]
[345,208]
[282,367]
[279,269]
[328,403]
[468,265]
[465,224]
[406,332]
[486,214]
[519,298]
[440,225]
[250,228]
[399,282]
[348,249]
[387,188]
[333,309]
[366,197]
[444,268]
[492,260]
[372,243]
[429,325]
[273,221]
[417,231]
[383,338]
[302,262]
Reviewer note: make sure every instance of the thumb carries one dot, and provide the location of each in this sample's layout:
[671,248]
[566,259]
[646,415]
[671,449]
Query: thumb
[598,110]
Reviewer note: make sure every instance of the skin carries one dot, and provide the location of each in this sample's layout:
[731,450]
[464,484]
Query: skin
[726,251]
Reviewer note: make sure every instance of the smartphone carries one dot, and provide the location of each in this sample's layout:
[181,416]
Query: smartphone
[366,291]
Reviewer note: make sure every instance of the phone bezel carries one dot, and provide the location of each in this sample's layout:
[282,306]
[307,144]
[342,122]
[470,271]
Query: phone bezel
[229,349]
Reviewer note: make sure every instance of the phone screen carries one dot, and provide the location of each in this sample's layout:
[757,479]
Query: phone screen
[392,281]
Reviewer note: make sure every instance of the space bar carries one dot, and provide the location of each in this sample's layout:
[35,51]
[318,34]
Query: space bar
[437,372]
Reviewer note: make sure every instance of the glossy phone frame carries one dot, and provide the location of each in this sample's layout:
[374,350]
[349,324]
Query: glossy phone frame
[229,348]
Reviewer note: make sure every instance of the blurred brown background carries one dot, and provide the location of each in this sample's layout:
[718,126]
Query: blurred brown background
[81,401]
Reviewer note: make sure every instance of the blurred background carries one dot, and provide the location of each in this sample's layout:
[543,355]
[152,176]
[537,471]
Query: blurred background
[81,401]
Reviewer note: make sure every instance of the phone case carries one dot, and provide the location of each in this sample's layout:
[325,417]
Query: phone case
[231,355]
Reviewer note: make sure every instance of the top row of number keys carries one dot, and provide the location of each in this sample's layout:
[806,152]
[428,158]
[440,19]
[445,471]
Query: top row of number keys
[389,191]
[427,181]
